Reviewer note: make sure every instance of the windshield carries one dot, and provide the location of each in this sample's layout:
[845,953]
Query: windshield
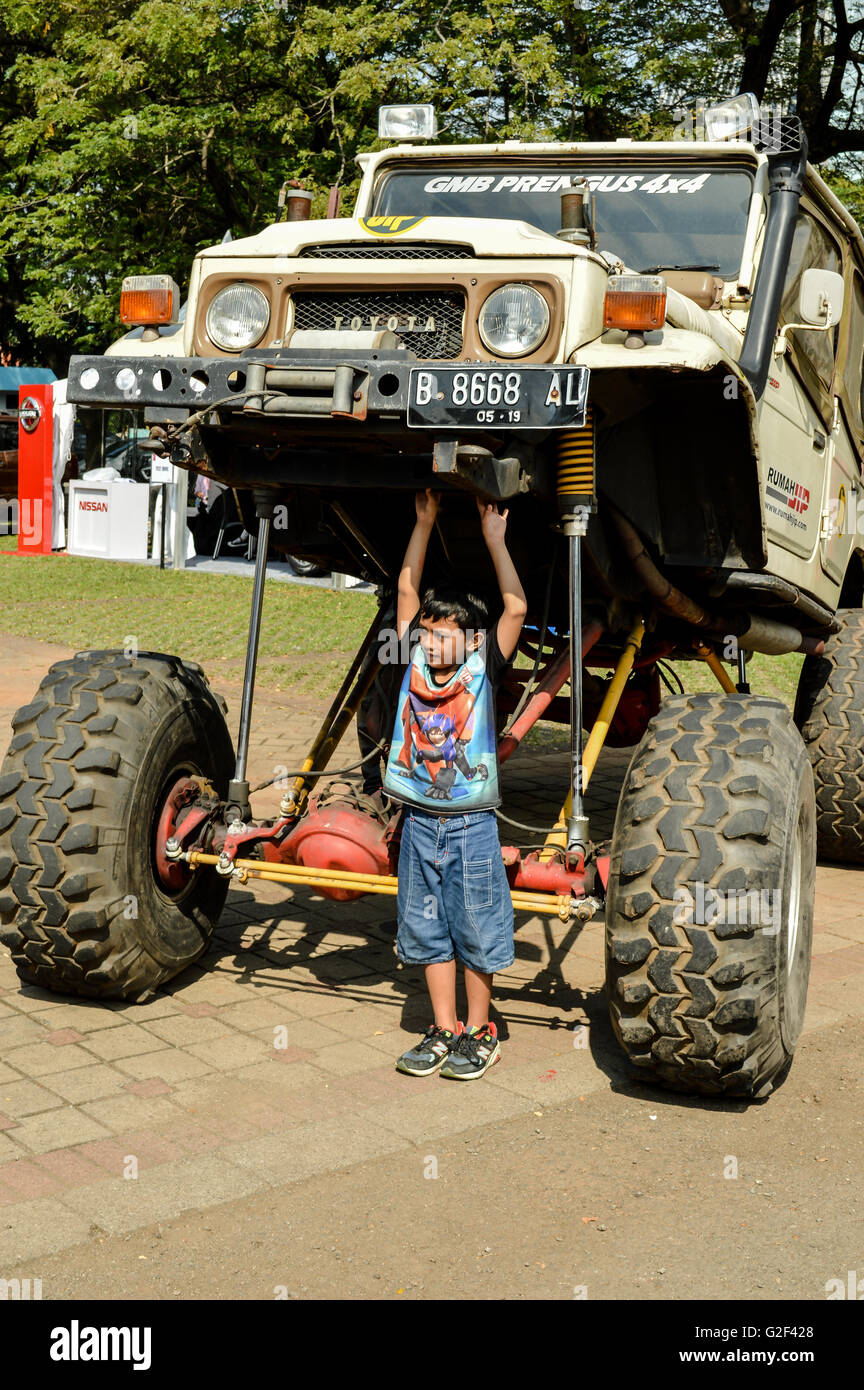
[661,216]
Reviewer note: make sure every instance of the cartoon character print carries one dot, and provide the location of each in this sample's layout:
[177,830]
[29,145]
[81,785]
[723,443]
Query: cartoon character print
[434,738]
[438,724]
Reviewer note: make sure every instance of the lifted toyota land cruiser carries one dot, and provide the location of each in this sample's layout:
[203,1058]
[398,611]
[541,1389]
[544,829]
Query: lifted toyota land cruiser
[652,352]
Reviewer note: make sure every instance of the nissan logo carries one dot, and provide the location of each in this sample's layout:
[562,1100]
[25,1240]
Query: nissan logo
[29,413]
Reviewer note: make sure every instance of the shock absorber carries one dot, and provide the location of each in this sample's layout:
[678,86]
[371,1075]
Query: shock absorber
[576,501]
[575,483]
[237,803]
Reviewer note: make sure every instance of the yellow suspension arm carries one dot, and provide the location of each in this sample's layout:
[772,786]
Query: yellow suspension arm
[557,836]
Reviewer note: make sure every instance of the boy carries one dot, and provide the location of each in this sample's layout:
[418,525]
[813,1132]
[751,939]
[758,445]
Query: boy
[453,897]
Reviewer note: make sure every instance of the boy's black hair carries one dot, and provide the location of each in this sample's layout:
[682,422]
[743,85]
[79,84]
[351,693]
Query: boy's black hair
[470,610]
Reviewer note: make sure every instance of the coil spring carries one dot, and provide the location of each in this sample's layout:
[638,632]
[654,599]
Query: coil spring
[576,460]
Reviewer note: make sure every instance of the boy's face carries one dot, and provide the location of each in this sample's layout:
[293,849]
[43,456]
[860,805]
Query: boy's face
[445,643]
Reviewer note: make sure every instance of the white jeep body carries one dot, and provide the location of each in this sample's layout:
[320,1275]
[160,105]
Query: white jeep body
[781,463]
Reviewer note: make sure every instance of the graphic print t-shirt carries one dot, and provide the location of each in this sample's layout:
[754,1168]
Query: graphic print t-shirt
[443,751]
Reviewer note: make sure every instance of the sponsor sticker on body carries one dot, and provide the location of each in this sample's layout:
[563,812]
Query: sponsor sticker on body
[649,182]
[790,500]
[390,226]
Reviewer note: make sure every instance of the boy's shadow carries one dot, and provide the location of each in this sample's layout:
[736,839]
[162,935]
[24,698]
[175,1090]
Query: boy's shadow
[351,972]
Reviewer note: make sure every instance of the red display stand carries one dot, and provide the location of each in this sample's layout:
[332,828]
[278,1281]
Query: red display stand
[35,468]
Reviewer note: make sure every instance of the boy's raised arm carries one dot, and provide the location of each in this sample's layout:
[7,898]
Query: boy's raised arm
[494,526]
[408,596]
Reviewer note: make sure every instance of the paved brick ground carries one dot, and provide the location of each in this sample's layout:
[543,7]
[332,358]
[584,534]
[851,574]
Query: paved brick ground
[272,1060]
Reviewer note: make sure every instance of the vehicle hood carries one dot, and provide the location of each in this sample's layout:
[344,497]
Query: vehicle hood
[489,236]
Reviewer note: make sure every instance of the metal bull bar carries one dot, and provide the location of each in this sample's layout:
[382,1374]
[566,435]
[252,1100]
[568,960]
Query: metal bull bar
[331,379]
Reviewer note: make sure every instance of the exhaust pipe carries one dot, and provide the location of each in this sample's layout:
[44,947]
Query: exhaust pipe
[760,635]
[669,598]
[776,639]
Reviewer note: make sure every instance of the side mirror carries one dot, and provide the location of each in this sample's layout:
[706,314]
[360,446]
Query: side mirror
[820,304]
[821,299]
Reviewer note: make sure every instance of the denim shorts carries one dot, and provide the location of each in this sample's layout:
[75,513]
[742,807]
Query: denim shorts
[454,897]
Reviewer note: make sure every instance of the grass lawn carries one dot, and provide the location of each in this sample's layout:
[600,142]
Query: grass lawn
[308,634]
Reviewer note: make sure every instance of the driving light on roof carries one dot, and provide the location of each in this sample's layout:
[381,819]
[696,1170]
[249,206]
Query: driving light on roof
[732,119]
[407,122]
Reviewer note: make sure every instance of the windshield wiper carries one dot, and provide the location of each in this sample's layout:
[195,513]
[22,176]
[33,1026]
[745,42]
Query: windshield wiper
[655,269]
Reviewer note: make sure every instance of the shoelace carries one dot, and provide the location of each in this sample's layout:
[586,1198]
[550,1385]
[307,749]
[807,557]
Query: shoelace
[468,1044]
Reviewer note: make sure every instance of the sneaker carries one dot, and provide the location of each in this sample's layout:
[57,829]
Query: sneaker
[431,1052]
[476,1051]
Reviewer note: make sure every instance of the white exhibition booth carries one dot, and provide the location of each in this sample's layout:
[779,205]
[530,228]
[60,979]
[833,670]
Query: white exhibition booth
[108,519]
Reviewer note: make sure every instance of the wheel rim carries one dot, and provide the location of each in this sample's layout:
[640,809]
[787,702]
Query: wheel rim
[793,910]
[172,877]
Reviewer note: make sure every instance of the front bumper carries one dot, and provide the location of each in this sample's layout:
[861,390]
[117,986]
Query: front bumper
[300,384]
[318,392]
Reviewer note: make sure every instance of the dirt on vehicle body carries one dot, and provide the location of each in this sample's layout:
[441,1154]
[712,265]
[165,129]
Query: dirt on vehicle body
[652,353]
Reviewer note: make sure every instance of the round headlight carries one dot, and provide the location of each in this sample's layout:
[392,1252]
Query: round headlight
[237,317]
[514,320]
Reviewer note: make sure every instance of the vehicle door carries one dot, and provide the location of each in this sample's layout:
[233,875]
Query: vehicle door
[844,522]
[796,409]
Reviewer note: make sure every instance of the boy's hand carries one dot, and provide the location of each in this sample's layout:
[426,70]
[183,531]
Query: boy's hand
[426,503]
[493,522]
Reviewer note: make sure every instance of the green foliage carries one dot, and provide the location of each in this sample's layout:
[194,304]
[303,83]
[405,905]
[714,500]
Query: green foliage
[849,191]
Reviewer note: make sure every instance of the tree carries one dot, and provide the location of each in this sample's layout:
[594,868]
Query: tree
[136,132]
[818,49]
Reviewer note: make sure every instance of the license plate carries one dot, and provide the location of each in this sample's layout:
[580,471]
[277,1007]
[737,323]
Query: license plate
[497,397]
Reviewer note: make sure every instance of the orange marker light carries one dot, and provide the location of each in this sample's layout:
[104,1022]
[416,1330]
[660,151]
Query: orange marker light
[149,299]
[635,302]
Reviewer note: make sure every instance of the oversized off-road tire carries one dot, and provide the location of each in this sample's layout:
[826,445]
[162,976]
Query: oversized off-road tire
[707,987]
[83,908]
[829,711]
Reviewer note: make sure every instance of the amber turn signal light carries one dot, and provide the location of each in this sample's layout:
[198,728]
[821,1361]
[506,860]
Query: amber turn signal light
[149,299]
[635,302]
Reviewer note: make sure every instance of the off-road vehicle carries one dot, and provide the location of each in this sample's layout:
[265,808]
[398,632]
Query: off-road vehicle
[651,352]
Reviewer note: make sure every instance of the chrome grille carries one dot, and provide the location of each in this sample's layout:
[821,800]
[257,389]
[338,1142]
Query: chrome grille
[429,322]
[380,251]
